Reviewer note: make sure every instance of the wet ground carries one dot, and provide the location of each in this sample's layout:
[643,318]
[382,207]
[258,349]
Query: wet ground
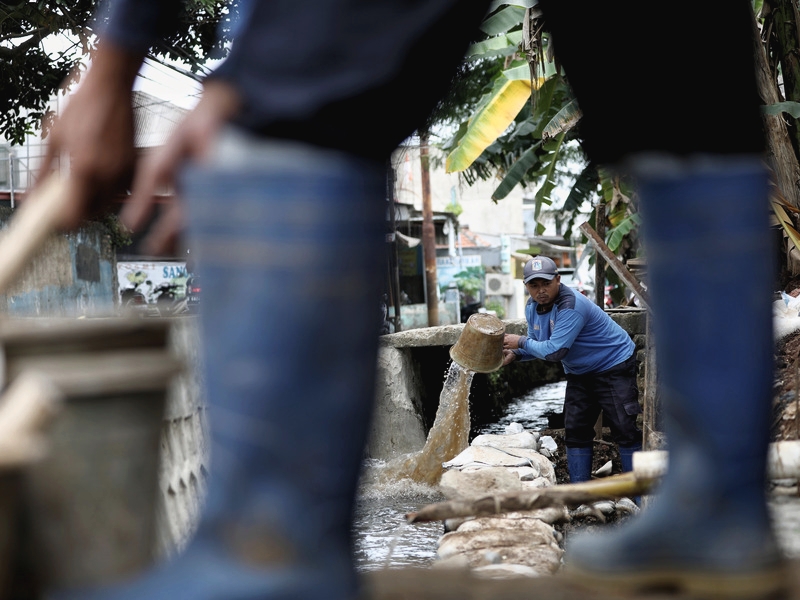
[433,584]
[383,540]
[396,559]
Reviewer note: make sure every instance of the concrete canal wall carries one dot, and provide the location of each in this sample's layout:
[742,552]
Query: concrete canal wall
[73,274]
[412,366]
[411,369]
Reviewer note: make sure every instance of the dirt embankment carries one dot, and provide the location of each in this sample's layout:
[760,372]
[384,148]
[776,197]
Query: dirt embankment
[785,424]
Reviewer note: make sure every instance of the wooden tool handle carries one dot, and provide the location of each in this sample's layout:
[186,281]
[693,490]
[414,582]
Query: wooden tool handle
[31,224]
[28,405]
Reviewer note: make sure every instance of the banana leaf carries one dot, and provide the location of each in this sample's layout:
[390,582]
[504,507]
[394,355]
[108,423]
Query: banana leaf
[520,72]
[502,21]
[565,119]
[792,108]
[786,222]
[517,172]
[502,44]
[543,194]
[582,190]
[523,3]
[618,233]
[491,120]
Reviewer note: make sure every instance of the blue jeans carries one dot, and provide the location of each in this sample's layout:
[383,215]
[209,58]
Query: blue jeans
[289,245]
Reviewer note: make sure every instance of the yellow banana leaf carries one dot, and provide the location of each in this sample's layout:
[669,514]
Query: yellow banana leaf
[786,223]
[490,122]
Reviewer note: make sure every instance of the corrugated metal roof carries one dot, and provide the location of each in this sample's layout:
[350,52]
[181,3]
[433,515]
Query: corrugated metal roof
[154,119]
[470,239]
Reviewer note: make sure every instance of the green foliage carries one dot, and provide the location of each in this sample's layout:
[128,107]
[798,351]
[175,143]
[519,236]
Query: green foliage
[522,143]
[505,19]
[454,209]
[548,171]
[470,83]
[788,107]
[29,76]
[119,234]
[470,280]
[617,234]
[202,32]
[497,307]
[517,172]
[536,151]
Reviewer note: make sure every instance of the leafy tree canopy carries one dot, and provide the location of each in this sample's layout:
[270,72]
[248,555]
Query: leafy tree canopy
[29,75]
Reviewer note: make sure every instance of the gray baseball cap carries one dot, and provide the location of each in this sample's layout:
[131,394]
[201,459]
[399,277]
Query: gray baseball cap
[539,267]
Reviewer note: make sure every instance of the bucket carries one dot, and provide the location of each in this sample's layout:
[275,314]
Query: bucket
[480,346]
[91,500]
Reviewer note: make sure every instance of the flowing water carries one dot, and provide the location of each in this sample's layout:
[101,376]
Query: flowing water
[531,409]
[383,539]
[389,491]
[448,436]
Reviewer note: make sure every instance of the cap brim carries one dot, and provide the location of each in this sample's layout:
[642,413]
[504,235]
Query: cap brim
[539,276]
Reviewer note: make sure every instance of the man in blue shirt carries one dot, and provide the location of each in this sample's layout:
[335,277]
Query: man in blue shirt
[598,358]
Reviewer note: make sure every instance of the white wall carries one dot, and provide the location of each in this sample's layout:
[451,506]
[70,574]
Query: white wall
[480,214]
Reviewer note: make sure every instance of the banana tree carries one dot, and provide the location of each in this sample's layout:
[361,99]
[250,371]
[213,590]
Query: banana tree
[521,129]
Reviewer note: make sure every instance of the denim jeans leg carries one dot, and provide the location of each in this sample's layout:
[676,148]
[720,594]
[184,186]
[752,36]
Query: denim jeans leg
[290,261]
[289,245]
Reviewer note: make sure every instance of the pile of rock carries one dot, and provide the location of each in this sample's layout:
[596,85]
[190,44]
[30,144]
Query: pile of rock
[512,544]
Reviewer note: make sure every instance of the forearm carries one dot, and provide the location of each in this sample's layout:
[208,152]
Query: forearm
[545,350]
[96,131]
[137,25]
[114,66]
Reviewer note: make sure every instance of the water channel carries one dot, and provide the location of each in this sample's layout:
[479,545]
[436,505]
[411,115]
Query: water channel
[382,537]
[384,540]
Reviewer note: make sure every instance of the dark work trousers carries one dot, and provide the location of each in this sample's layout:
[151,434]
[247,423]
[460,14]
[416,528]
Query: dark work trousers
[679,104]
[613,391]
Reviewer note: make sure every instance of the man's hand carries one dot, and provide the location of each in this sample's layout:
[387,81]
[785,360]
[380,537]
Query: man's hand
[192,139]
[96,132]
[511,341]
[508,357]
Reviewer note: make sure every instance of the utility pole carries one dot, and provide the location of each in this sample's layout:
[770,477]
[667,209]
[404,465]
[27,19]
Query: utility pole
[393,269]
[428,235]
[600,263]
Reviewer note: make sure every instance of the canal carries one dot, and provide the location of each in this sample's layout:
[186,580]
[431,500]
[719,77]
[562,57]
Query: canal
[384,540]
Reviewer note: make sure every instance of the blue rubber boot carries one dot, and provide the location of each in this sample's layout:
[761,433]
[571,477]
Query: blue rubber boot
[710,271]
[626,458]
[579,463]
[290,251]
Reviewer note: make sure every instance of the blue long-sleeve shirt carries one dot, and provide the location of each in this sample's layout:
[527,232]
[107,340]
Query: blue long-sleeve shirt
[576,332]
[355,75]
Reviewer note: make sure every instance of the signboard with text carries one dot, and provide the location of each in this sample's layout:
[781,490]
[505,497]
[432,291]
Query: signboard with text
[447,267]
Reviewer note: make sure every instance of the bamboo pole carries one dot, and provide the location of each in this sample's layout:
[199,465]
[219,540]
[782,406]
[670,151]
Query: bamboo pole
[648,468]
[32,223]
[572,495]
[616,265]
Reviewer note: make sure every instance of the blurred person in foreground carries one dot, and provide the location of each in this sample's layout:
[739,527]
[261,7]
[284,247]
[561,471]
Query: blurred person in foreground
[693,140]
[282,169]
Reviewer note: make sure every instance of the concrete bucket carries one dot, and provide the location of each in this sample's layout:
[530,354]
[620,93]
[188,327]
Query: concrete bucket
[480,346]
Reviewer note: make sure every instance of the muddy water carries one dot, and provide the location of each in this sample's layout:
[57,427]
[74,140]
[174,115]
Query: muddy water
[388,491]
[382,538]
[448,437]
